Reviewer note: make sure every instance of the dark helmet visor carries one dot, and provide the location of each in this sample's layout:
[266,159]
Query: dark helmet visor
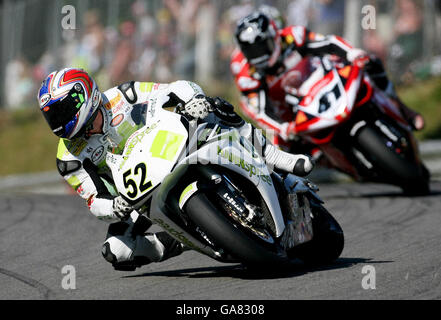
[61,115]
[258,52]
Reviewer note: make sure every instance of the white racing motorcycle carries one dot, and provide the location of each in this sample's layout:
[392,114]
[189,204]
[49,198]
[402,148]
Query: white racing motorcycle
[207,187]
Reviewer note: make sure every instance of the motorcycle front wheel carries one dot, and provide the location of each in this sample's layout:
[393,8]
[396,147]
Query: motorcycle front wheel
[400,170]
[223,232]
[328,239]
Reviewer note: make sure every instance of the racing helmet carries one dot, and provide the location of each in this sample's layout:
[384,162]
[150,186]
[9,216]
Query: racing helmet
[259,40]
[69,100]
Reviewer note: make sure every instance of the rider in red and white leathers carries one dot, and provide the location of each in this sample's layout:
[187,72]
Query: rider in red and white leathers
[266,52]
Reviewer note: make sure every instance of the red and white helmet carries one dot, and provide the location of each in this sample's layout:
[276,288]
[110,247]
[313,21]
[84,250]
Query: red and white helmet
[69,100]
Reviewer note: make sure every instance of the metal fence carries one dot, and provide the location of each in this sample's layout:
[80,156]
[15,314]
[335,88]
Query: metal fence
[120,40]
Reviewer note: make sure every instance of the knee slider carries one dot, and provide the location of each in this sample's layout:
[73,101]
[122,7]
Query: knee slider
[115,250]
[107,253]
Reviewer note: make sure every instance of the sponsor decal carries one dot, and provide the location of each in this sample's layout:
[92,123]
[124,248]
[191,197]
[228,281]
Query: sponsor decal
[113,102]
[56,130]
[96,98]
[44,100]
[117,108]
[233,202]
[146,86]
[80,190]
[179,235]
[97,154]
[238,161]
[117,120]
[202,233]
[110,158]
[194,86]
[133,140]
[76,146]
[152,107]
[150,110]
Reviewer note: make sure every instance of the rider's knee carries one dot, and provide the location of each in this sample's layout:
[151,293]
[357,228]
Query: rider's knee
[114,250]
[118,245]
[126,252]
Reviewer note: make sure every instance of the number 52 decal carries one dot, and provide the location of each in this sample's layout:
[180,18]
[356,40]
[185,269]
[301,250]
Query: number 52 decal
[129,183]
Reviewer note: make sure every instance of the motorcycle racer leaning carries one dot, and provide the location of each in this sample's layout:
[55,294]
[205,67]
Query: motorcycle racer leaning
[90,123]
[266,52]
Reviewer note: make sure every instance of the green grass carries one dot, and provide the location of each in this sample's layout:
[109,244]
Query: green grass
[27,144]
[425,97]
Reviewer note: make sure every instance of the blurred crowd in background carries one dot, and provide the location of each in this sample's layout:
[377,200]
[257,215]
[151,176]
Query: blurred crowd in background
[166,40]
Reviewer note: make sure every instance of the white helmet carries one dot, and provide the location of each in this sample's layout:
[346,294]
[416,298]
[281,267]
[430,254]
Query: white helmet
[69,100]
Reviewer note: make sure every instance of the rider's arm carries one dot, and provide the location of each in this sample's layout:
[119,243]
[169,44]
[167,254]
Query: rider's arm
[256,105]
[311,43]
[166,94]
[82,175]
[254,100]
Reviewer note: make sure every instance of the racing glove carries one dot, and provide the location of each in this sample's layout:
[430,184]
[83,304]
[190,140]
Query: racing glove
[197,107]
[358,57]
[121,208]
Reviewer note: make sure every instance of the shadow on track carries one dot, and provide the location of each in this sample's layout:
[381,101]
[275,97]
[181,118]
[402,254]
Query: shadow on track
[242,272]
[360,194]
[380,195]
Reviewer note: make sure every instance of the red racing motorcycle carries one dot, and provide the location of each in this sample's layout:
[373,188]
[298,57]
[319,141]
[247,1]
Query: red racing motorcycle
[358,128]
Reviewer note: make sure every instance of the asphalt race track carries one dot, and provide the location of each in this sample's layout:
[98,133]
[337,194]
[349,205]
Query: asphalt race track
[396,237]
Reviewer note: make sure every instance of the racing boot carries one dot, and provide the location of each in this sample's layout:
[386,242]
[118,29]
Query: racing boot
[298,164]
[377,72]
[414,118]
